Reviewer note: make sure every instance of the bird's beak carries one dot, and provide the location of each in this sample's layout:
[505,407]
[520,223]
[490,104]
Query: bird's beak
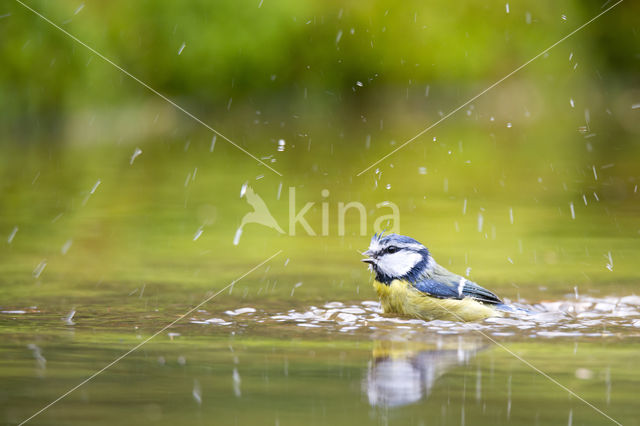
[368,260]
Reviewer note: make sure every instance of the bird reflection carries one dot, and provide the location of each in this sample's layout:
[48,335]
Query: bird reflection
[404,372]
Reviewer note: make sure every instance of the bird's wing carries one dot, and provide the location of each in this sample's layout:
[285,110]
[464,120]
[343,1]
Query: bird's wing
[446,285]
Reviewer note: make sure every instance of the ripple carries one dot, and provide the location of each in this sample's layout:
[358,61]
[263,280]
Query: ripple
[581,317]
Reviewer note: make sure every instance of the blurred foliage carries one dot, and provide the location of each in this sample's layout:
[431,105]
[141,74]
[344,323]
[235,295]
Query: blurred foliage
[343,83]
[302,57]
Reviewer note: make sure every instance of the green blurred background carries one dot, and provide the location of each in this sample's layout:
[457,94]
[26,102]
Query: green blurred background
[118,207]
[491,188]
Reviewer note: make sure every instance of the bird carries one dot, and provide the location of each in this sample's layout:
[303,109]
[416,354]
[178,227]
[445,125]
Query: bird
[410,282]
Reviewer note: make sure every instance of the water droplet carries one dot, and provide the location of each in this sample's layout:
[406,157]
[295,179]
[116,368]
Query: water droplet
[66,246]
[236,238]
[12,235]
[573,212]
[38,269]
[136,153]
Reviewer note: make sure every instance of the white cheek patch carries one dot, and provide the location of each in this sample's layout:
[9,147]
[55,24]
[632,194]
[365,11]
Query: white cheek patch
[398,264]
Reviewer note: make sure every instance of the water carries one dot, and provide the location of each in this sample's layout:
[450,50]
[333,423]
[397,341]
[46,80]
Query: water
[332,364]
[585,316]
[101,252]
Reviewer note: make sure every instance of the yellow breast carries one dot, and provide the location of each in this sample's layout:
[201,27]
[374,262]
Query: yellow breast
[400,297]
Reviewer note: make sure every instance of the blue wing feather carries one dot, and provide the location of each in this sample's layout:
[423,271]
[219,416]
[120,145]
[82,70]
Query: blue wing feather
[436,289]
[445,285]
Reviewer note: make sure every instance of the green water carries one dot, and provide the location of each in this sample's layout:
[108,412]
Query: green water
[152,241]
[307,380]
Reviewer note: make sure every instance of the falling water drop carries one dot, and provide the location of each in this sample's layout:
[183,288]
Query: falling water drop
[12,235]
[136,153]
[236,238]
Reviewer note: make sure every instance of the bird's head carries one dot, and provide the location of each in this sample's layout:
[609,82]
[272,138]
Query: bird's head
[395,256]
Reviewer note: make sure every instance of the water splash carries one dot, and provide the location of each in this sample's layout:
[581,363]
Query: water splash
[571,317]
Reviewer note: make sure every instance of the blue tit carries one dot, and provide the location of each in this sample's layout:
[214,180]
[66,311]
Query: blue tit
[410,282]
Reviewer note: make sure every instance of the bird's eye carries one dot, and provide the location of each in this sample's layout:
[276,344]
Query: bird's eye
[392,249]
